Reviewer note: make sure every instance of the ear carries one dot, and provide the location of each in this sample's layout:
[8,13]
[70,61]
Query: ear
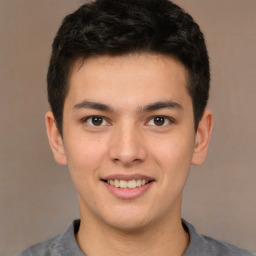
[203,136]
[55,139]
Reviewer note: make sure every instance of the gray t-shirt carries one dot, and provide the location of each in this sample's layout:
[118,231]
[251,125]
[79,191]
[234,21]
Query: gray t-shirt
[65,245]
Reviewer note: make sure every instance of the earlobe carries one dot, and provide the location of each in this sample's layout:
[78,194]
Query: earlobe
[203,136]
[55,139]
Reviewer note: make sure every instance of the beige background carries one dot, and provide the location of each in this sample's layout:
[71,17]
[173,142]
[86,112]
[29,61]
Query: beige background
[37,197]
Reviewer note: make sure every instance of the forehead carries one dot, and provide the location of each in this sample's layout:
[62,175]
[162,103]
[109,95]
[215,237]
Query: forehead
[129,77]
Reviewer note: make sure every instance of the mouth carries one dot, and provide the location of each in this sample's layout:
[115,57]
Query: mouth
[133,183]
[128,186]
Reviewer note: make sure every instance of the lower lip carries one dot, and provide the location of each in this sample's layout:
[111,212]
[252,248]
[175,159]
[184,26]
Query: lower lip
[128,193]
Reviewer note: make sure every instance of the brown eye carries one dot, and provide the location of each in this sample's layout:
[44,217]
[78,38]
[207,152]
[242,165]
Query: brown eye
[159,120]
[97,120]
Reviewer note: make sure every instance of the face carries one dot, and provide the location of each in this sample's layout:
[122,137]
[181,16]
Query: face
[128,138]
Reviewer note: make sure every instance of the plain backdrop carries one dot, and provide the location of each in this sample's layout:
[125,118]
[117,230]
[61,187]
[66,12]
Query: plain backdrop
[37,197]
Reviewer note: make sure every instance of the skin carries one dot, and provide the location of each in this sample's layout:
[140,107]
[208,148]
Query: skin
[130,141]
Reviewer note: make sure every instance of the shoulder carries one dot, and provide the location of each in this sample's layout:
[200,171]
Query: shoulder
[223,248]
[61,245]
[204,245]
[47,248]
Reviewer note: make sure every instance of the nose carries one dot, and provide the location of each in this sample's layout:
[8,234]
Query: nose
[127,145]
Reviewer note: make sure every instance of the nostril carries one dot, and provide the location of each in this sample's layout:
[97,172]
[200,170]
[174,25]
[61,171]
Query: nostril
[126,161]
[127,148]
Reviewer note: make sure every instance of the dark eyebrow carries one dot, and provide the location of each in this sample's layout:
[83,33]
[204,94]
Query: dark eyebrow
[148,108]
[93,105]
[161,105]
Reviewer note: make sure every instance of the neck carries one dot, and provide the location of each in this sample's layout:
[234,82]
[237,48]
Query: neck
[163,238]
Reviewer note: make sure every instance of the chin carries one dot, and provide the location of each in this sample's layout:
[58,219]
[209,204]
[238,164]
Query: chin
[129,220]
[129,225]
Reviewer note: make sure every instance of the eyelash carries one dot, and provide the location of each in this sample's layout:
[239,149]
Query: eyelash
[86,120]
[167,119]
[151,119]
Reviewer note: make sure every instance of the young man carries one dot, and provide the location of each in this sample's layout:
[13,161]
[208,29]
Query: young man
[128,85]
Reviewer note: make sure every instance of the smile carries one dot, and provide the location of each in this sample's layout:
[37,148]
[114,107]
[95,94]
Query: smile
[127,183]
[128,186]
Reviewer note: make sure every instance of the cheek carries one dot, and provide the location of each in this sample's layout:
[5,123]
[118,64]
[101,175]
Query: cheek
[173,156]
[84,159]
[174,151]
[84,155]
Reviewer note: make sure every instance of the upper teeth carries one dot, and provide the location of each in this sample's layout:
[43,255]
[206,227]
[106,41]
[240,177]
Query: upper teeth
[127,184]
